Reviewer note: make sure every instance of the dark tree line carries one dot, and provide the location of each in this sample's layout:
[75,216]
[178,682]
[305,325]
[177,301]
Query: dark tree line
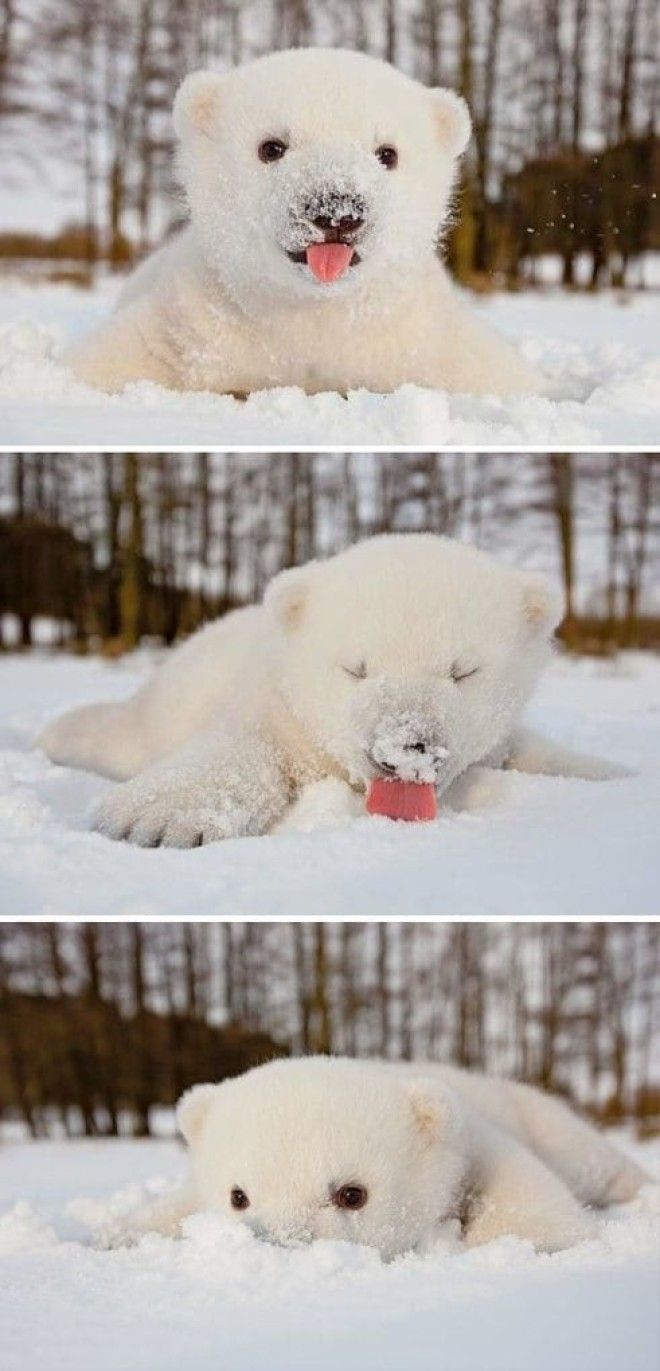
[564,97]
[106,550]
[100,1024]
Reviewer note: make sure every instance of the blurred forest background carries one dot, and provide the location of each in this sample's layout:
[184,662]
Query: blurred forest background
[103,1023]
[103,551]
[561,176]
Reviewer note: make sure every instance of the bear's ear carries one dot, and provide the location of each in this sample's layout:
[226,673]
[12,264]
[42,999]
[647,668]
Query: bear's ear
[286,596]
[197,103]
[192,1109]
[542,603]
[430,1109]
[453,120]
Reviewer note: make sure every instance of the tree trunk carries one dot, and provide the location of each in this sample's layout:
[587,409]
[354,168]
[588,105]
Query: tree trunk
[131,585]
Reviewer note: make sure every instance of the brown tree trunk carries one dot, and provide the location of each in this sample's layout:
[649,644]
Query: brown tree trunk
[321,1038]
[561,474]
[131,585]
[142,1102]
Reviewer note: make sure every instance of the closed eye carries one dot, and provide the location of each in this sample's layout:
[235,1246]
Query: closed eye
[357,672]
[459,673]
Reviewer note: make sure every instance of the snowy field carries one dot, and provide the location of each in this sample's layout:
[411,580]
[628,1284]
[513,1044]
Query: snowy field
[602,355]
[519,845]
[221,1298]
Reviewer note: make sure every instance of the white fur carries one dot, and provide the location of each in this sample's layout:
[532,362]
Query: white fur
[223,308]
[249,710]
[430,1144]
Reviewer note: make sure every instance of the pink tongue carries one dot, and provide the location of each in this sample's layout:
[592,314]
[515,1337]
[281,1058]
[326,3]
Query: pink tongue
[407,800]
[329,261]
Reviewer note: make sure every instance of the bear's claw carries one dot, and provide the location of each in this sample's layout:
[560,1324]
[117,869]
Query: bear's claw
[128,816]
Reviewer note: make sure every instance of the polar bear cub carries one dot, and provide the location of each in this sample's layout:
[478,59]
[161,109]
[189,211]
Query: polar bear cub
[408,655]
[318,183]
[386,1154]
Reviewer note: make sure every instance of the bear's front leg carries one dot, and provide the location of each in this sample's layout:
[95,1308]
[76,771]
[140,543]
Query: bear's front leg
[220,786]
[163,1216]
[126,347]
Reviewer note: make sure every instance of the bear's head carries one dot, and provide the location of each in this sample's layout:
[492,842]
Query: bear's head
[325,1147]
[315,173]
[410,656]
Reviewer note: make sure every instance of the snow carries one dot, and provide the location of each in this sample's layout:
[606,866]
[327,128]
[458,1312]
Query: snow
[601,353]
[221,1297]
[521,845]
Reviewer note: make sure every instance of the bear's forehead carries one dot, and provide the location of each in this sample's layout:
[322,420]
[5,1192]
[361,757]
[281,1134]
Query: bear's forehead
[314,1146]
[280,1108]
[427,608]
[420,570]
[322,98]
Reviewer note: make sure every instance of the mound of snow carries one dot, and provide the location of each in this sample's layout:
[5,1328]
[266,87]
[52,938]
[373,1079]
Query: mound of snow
[600,353]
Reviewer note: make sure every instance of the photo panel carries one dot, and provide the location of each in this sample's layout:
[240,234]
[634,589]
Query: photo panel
[420,1126]
[287,223]
[463,643]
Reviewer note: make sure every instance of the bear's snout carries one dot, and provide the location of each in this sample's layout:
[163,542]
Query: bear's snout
[339,217]
[408,758]
[329,215]
[330,191]
[326,228]
[405,730]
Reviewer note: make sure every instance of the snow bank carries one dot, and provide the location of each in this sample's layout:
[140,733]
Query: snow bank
[220,1297]
[600,352]
[520,845]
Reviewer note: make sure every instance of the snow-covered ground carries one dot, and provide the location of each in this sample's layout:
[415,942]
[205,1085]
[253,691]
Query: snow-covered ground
[221,1298]
[525,846]
[602,353]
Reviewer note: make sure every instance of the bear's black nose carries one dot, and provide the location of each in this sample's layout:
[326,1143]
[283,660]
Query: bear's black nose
[336,228]
[338,215]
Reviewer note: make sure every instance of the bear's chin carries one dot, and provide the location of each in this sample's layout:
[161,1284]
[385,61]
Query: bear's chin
[302,284]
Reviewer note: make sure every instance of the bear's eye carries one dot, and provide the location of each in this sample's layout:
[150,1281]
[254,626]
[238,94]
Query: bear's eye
[238,1197]
[387,156]
[350,1197]
[271,150]
[460,673]
[357,672]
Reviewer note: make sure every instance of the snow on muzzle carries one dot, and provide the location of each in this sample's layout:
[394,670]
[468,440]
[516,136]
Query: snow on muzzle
[281,1233]
[405,737]
[326,206]
[332,221]
[402,751]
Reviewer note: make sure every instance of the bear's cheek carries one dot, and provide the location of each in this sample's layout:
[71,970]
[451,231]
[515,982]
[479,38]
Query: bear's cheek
[229,194]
